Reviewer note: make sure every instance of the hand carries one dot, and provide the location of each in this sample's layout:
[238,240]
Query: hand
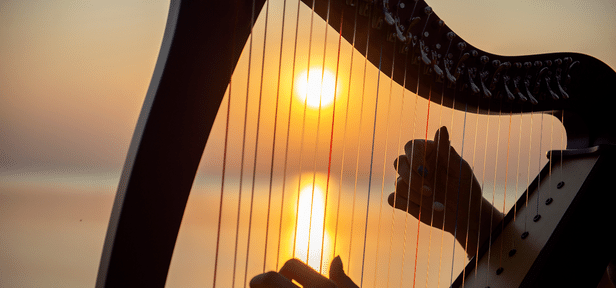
[435,183]
[296,270]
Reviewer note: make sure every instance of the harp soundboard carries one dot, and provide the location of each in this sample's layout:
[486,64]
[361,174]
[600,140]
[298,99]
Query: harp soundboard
[203,41]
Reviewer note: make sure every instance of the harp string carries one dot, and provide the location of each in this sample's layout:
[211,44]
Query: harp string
[331,141]
[301,149]
[284,9]
[314,174]
[243,145]
[361,114]
[408,200]
[506,180]
[344,136]
[440,118]
[411,164]
[376,106]
[483,178]
[254,164]
[286,149]
[385,169]
[455,232]
[494,183]
[393,214]
[445,192]
[224,167]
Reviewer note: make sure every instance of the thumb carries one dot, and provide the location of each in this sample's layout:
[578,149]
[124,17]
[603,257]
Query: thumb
[336,274]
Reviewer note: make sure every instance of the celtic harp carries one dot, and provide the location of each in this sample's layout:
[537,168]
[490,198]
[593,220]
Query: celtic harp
[210,62]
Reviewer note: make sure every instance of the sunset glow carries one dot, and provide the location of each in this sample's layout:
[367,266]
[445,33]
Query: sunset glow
[316,85]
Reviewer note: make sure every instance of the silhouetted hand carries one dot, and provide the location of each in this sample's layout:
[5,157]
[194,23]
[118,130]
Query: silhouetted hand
[295,269]
[439,188]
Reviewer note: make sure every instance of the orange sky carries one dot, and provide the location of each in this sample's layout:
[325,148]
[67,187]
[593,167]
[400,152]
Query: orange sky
[73,77]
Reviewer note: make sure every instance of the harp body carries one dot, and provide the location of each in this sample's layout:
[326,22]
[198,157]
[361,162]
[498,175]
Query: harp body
[201,46]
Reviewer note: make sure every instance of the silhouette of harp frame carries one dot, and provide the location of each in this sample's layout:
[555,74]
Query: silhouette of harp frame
[201,45]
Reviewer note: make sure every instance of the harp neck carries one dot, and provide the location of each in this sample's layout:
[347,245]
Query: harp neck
[441,66]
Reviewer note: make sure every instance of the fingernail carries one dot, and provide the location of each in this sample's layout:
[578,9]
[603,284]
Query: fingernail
[426,190]
[438,206]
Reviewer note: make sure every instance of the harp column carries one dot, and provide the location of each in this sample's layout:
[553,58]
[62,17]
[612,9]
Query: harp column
[201,45]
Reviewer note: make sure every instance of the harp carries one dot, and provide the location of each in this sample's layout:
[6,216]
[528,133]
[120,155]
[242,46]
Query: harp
[201,46]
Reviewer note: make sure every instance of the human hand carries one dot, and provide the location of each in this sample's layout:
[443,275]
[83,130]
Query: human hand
[439,188]
[296,270]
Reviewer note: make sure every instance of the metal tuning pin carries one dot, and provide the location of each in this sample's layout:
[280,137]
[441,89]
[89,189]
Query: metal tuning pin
[497,73]
[483,76]
[538,78]
[510,95]
[560,87]
[547,84]
[439,72]
[448,63]
[530,95]
[399,33]
[516,89]
[424,53]
[472,74]
[387,15]
[428,10]
[460,66]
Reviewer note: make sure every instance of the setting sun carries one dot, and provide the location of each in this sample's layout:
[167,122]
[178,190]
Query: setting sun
[316,86]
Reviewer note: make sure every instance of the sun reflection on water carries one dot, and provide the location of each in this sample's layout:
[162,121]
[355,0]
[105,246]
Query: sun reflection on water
[312,239]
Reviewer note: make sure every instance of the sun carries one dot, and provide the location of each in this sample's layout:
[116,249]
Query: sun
[316,87]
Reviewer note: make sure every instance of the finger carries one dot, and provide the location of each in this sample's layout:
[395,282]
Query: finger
[403,204]
[271,280]
[402,167]
[336,274]
[402,190]
[296,270]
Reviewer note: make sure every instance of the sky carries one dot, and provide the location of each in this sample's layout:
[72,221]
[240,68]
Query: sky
[73,76]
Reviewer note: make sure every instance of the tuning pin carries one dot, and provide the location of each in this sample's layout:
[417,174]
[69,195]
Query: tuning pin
[510,95]
[437,70]
[389,18]
[484,59]
[451,35]
[518,65]
[471,75]
[530,95]
[440,23]
[474,53]
[548,63]
[558,61]
[560,88]
[461,46]
[448,63]
[399,33]
[428,10]
[538,79]
[498,71]
[460,65]
[547,84]
[424,53]
[482,78]
[516,89]
[527,65]
[538,64]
